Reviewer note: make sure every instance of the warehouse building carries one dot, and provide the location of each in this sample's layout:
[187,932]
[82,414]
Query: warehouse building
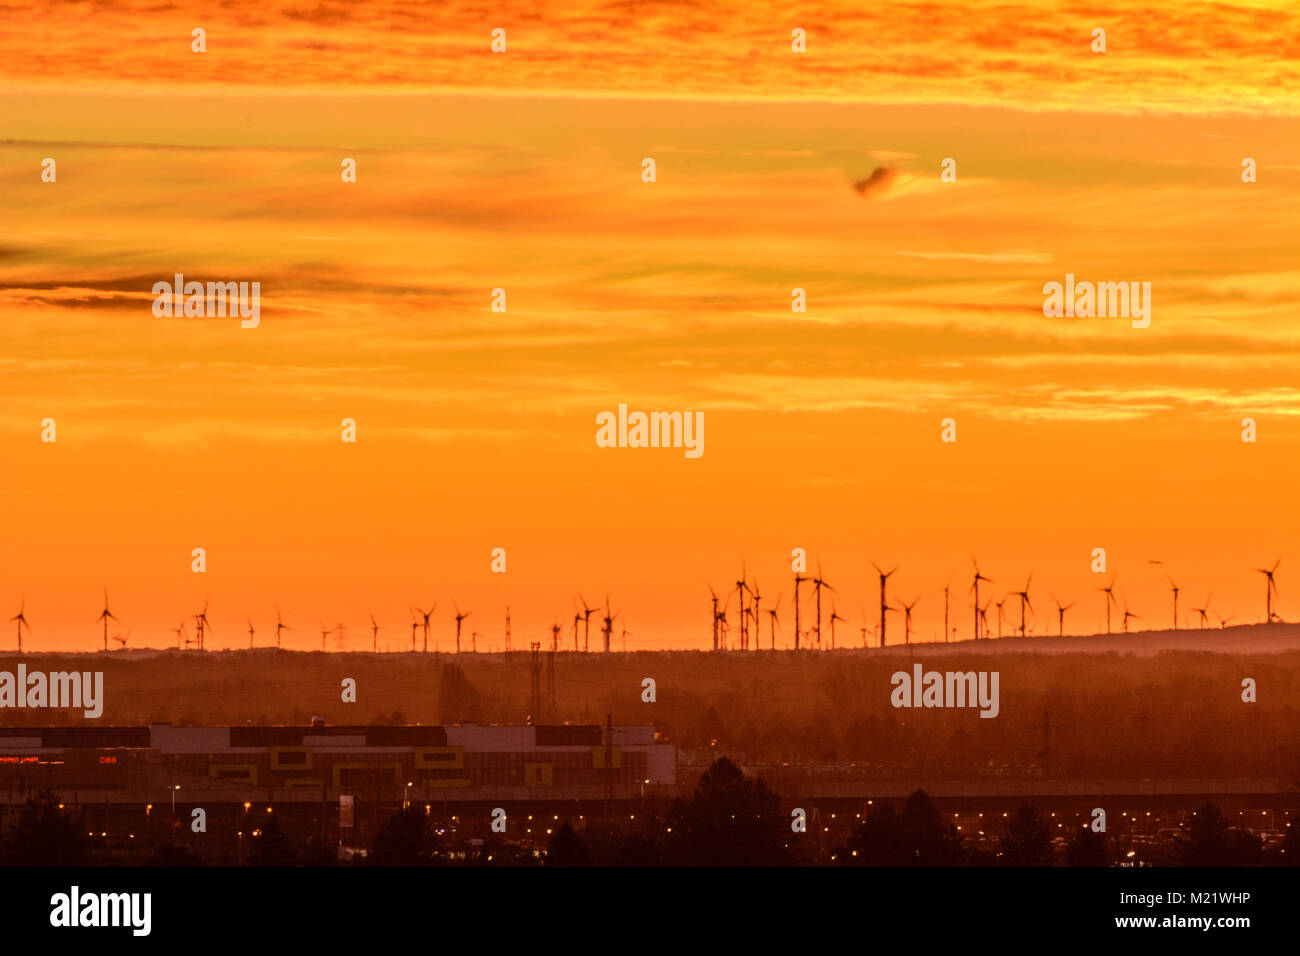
[460,763]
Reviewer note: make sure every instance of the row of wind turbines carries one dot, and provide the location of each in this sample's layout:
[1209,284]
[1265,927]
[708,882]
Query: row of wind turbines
[749,600]
[420,618]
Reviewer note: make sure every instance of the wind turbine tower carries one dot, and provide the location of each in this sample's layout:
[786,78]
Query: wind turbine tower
[884,577]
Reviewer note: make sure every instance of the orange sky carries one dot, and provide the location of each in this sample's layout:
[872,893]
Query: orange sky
[521,170]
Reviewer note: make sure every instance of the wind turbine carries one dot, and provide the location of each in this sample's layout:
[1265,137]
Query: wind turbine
[755,614]
[577,617]
[374,635]
[587,612]
[773,620]
[1024,601]
[984,614]
[428,614]
[723,627]
[1060,611]
[121,640]
[626,632]
[415,626]
[281,626]
[105,615]
[714,595]
[1223,621]
[459,618]
[1270,588]
[818,584]
[976,588]
[1202,611]
[741,588]
[22,622]
[201,625]
[473,641]
[798,580]
[1174,587]
[945,611]
[250,632]
[180,634]
[884,577]
[907,620]
[1129,614]
[835,616]
[324,633]
[1110,599]
[609,619]
[998,605]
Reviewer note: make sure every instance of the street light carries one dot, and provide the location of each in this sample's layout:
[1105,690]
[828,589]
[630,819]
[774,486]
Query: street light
[174,789]
[239,859]
[406,795]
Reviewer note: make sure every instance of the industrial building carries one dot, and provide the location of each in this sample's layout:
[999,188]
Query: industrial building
[458,763]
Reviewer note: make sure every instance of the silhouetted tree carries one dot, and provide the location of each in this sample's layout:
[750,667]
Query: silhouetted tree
[1245,848]
[319,852]
[622,847]
[1291,843]
[46,836]
[1204,840]
[1087,848]
[1027,842]
[730,820]
[172,854]
[915,837]
[566,848]
[639,849]
[405,840]
[495,851]
[272,846]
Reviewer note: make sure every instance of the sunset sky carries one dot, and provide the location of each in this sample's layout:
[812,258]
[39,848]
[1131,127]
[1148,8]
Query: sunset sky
[522,170]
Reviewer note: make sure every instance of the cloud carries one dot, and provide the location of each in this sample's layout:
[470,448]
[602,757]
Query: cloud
[878,183]
[888,155]
[992,257]
[1232,57]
